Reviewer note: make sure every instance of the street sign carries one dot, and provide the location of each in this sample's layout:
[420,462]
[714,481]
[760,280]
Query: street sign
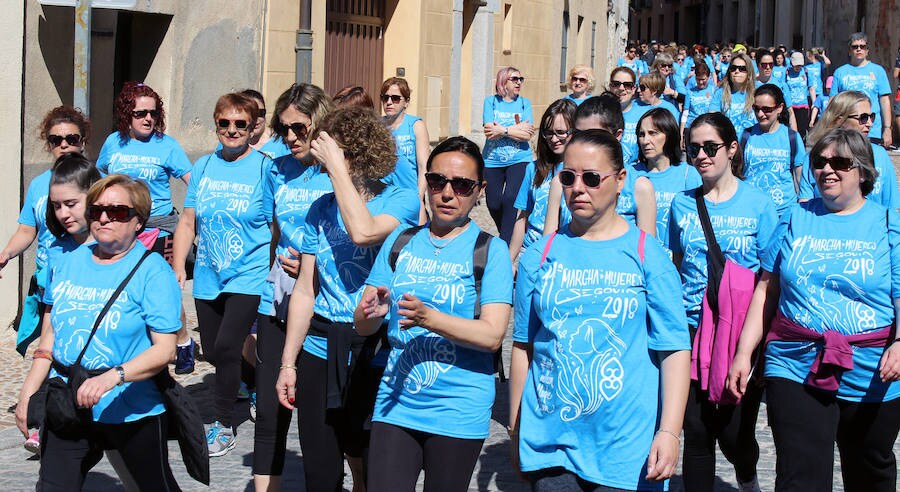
[97,4]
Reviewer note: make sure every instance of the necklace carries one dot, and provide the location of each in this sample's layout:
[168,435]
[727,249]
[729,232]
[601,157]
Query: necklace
[437,246]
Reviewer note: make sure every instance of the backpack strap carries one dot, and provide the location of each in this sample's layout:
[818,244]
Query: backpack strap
[547,248]
[401,241]
[792,139]
[744,138]
[479,262]
[642,238]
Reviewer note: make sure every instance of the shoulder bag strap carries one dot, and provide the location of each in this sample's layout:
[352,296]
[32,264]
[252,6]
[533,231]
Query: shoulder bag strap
[715,260]
[402,240]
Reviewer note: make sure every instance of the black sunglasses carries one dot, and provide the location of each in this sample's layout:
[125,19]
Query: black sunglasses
[580,79]
[461,186]
[708,148]
[299,129]
[142,113]
[225,123]
[591,179]
[738,68]
[114,213]
[862,118]
[517,80]
[261,113]
[394,98]
[859,47]
[764,109]
[615,84]
[837,163]
[665,65]
[72,139]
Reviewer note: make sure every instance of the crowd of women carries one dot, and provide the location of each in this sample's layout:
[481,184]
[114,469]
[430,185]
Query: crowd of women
[337,271]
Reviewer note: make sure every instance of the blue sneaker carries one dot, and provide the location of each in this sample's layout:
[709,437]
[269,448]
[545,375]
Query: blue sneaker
[253,406]
[184,358]
[219,439]
[243,392]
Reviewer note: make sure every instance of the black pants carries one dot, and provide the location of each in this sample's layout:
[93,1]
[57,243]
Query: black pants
[562,480]
[224,324]
[398,454]
[733,426]
[802,117]
[142,445]
[806,423]
[326,435]
[503,185]
[272,419]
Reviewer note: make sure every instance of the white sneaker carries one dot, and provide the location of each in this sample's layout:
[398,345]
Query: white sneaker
[219,439]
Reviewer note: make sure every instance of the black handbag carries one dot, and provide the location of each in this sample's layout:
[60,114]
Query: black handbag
[185,426]
[63,416]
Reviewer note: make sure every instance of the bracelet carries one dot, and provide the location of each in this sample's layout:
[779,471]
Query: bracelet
[42,354]
[289,366]
[670,433]
[121,371]
[506,131]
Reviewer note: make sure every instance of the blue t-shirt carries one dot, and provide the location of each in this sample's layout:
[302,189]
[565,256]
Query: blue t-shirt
[34,214]
[821,103]
[430,381]
[662,104]
[629,135]
[674,82]
[743,225]
[740,117]
[769,166]
[638,66]
[504,151]
[78,289]
[577,101]
[798,83]
[595,314]
[343,266]
[274,148]
[153,162]
[841,273]
[295,187]
[782,85]
[871,80]
[884,191]
[696,102]
[626,206]
[666,186]
[533,200]
[60,246]
[406,173]
[233,205]
[778,71]
[814,72]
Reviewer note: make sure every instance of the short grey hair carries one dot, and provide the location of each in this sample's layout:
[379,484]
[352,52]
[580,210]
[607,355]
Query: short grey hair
[852,144]
[857,36]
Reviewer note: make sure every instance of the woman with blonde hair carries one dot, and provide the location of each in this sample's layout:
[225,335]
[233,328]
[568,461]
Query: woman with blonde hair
[650,91]
[581,83]
[735,97]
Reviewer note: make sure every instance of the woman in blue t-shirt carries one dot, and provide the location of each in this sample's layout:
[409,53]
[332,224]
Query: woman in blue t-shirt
[333,385]
[743,219]
[734,98]
[410,137]
[773,153]
[831,276]
[434,403]
[228,208]
[135,340]
[581,83]
[600,359]
[508,127]
[557,126]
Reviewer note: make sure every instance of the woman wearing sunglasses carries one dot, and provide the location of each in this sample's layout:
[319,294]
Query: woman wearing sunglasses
[623,83]
[674,90]
[334,383]
[831,359]
[581,83]
[735,96]
[64,129]
[633,61]
[134,342]
[228,208]
[297,181]
[852,110]
[443,331]
[743,219]
[650,90]
[263,138]
[599,374]
[698,98]
[557,126]
[139,148]
[773,153]
[508,127]
[410,138]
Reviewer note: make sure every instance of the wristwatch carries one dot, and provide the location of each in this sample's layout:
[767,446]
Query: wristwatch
[506,131]
[121,371]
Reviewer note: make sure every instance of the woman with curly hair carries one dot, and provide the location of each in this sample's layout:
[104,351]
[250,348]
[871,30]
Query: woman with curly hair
[140,148]
[335,381]
[581,83]
[734,98]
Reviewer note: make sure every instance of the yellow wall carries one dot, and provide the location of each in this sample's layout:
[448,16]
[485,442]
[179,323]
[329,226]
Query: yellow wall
[280,61]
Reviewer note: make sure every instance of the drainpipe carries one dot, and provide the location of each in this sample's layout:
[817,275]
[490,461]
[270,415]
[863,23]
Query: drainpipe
[304,46]
[82,56]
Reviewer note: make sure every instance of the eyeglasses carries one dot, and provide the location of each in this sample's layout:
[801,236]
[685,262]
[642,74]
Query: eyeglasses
[764,109]
[461,186]
[862,118]
[708,148]
[642,87]
[679,59]
[859,47]
[225,124]
[114,213]
[766,65]
[72,139]
[261,113]
[837,163]
[615,84]
[394,98]
[580,79]
[738,68]
[665,65]
[517,80]
[139,114]
[560,134]
[591,179]
[301,131]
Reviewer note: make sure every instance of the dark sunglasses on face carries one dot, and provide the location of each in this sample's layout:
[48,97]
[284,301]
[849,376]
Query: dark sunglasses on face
[461,186]
[300,130]
[394,98]
[665,65]
[764,109]
[708,148]
[859,47]
[114,213]
[580,79]
[517,80]
[837,163]
[142,113]
[766,65]
[72,139]
[642,87]
[862,118]
[560,134]
[261,113]
[738,68]
[615,84]
[591,179]
[225,124]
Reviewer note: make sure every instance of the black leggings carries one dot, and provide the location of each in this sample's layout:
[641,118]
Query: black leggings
[562,480]
[224,324]
[142,445]
[503,185]
[398,454]
[806,423]
[733,426]
[326,435]
[802,117]
[272,419]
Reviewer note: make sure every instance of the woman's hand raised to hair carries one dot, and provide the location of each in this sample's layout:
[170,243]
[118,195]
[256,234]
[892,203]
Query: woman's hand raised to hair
[327,151]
